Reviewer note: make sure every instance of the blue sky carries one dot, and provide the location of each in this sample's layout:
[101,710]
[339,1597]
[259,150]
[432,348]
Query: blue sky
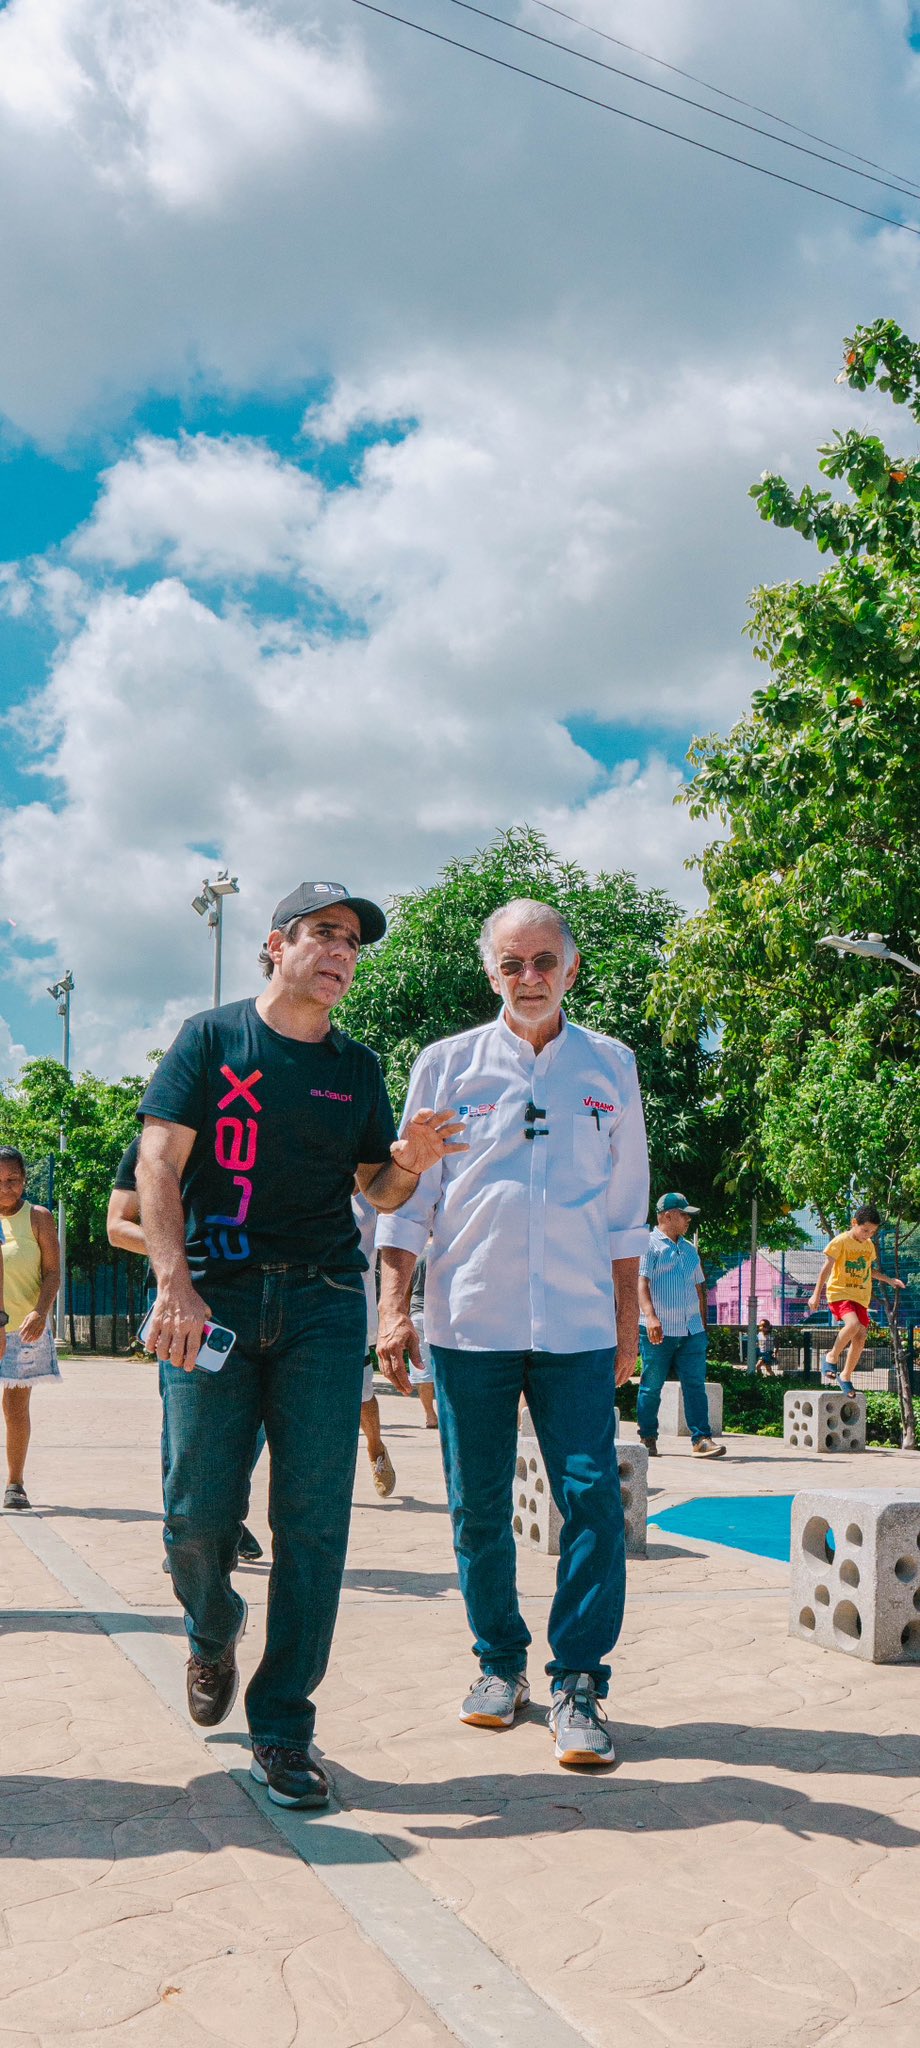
[505,575]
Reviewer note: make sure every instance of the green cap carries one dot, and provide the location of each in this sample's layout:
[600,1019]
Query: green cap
[676,1202]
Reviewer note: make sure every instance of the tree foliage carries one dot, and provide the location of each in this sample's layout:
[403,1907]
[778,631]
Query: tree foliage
[98,1118]
[817,785]
[426,982]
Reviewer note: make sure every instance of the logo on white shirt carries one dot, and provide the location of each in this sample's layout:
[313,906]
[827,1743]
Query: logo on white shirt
[475,1108]
[591,1102]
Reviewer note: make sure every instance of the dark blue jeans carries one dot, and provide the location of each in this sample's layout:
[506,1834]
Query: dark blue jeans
[297,1367]
[571,1397]
[688,1354]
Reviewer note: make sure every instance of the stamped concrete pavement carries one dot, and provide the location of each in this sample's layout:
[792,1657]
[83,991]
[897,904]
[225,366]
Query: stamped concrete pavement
[748,1875]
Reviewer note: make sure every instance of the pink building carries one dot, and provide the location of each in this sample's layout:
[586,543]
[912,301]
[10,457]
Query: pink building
[784,1283]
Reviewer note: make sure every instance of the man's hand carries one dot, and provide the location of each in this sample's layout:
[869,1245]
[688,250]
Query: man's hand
[426,1139]
[625,1364]
[177,1325]
[397,1335]
[886,1282]
[32,1327]
[654,1330]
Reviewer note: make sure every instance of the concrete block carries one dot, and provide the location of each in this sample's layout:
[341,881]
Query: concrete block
[826,1420]
[632,1463]
[855,1574]
[535,1517]
[671,1418]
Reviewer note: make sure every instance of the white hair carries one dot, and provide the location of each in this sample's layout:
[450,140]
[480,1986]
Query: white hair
[525,911]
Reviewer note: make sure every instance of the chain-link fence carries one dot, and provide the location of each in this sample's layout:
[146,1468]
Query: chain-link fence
[783,1284]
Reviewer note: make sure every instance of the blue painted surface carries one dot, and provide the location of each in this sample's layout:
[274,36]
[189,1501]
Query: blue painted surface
[759,1522]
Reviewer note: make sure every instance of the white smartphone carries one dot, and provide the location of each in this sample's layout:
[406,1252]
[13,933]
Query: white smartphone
[215,1351]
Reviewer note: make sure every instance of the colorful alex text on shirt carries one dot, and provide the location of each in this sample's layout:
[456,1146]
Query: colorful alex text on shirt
[236,1145]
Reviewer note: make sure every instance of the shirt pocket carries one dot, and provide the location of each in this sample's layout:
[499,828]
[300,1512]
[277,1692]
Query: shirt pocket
[591,1148]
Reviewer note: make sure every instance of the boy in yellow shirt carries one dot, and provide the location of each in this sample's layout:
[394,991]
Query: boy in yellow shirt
[849,1270]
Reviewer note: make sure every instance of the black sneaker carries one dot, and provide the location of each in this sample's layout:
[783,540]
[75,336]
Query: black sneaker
[249,1547]
[16,1497]
[211,1689]
[292,1777]
[651,1445]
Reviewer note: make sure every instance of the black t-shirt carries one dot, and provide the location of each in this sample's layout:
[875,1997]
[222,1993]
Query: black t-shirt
[280,1128]
[126,1173]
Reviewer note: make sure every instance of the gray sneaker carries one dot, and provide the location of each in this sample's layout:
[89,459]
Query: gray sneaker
[579,1724]
[494,1701]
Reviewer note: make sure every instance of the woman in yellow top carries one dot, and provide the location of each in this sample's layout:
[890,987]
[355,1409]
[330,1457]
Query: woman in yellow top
[31,1276]
[850,1269]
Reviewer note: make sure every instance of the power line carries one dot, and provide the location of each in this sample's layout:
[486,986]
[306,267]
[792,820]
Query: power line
[735,98]
[639,120]
[715,113]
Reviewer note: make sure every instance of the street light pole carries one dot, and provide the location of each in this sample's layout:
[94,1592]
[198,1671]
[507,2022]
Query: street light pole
[752,1295]
[872,947]
[62,991]
[210,904]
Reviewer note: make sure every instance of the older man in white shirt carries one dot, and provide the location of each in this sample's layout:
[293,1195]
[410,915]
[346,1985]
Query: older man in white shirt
[532,1288]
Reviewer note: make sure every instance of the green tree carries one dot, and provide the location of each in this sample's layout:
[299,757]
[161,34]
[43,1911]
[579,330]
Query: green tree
[425,982]
[847,1113]
[816,789]
[98,1118]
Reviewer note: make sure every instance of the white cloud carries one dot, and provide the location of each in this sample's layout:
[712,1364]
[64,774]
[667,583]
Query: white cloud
[12,1055]
[185,99]
[209,508]
[635,823]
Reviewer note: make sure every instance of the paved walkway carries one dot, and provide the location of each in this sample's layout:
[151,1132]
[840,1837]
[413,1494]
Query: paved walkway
[749,1876]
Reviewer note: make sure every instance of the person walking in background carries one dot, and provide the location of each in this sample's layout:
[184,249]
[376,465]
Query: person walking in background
[766,1349]
[256,1124]
[672,1309]
[124,1231]
[535,1233]
[849,1272]
[421,1376]
[383,1471]
[31,1278]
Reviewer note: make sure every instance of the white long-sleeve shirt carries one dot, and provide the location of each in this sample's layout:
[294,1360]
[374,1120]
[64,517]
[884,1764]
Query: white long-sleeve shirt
[524,1229]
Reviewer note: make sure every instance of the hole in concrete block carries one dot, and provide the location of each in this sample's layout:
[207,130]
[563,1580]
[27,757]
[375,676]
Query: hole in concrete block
[847,1620]
[520,1470]
[917,1599]
[809,1441]
[807,1408]
[910,1639]
[806,1618]
[905,1570]
[531,1507]
[849,1411]
[822,1596]
[518,1526]
[849,1573]
[854,1533]
[538,1486]
[831,1440]
[534,1533]
[626,1498]
[818,1539]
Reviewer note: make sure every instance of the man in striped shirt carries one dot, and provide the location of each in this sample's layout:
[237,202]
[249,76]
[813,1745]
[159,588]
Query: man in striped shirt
[672,1310]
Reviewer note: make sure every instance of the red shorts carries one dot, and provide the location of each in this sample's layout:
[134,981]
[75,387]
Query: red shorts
[840,1309]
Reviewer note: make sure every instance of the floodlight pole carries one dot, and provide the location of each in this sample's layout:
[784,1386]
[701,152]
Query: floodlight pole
[872,947]
[210,904]
[62,991]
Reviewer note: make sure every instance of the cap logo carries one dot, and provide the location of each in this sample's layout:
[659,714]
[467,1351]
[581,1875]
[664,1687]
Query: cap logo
[327,888]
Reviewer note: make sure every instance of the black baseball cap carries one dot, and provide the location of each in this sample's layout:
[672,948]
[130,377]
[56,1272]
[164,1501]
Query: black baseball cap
[312,896]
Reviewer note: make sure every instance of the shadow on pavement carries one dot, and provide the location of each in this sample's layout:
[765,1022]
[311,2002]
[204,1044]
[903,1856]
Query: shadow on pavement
[58,1620]
[96,1514]
[428,1585]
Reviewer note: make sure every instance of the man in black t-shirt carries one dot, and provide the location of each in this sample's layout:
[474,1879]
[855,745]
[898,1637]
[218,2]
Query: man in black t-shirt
[256,1124]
